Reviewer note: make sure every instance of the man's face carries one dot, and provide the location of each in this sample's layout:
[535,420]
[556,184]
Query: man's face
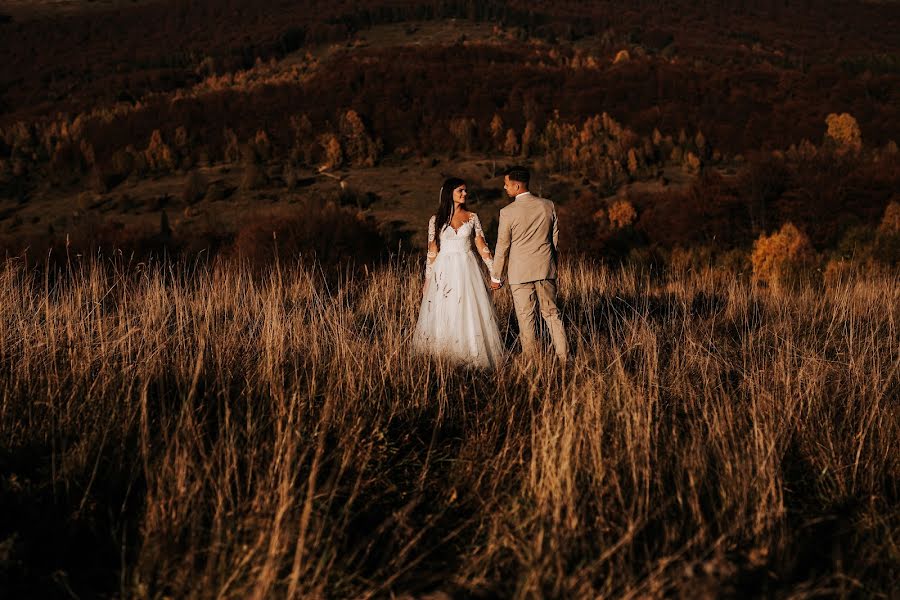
[512,187]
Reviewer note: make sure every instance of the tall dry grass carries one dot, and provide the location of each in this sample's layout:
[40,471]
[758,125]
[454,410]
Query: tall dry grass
[198,431]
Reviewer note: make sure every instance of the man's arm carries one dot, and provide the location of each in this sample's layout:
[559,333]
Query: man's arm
[555,232]
[501,253]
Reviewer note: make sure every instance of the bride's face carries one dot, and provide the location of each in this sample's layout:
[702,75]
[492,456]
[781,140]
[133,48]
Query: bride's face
[459,195]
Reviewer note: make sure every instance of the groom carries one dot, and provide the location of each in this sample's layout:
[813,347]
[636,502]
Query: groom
[527,237]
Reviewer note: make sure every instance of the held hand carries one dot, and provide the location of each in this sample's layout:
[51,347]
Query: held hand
[496,286]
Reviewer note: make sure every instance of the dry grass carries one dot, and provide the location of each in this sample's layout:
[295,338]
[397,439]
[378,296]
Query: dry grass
[193,431]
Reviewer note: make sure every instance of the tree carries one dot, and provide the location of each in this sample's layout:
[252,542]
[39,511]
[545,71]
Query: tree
[183,147]
[890,223]
[497,131]
[262,146]
[633,164]
[511,145]
[621,214]
[334,156]
[304,140]
[700,142]
[463,129]
[159,155]
[782,256]
[843,133]
[232,150]
[692,164]
[621,56]
[360,149]
[528,138]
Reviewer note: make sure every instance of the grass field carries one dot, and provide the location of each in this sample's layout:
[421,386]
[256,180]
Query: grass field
[200,431]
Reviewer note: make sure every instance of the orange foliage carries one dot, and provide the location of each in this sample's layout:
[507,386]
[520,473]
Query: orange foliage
[621,56]
[890,223]
[359,149]
[843,132]
[511,145]
[692,163]
[497,131]
[158,154]
[782,255]
[262,146]
[463,129]
[622,214]
[334,156]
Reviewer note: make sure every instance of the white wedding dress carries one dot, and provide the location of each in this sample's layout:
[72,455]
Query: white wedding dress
[457,318]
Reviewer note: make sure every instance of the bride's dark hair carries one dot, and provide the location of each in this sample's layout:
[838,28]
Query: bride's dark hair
[445,208]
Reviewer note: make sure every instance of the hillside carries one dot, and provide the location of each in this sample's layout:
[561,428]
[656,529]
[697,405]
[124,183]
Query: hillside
[175,124]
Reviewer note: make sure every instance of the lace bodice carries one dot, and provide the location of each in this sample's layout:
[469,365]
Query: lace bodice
[457,240]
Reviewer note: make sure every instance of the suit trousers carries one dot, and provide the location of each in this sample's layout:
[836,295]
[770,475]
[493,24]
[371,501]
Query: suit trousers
[542,293]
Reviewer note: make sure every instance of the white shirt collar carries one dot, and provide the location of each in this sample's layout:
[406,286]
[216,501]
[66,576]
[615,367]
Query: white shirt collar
[522,194]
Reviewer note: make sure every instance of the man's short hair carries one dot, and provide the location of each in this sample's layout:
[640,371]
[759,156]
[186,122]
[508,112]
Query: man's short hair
[520,174]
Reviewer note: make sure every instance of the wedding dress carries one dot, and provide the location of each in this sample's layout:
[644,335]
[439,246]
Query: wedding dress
[457,318]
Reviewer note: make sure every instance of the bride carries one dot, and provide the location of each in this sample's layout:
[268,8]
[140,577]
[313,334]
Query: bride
[457,318]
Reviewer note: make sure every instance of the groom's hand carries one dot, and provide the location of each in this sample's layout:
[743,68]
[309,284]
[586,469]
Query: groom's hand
[496,285]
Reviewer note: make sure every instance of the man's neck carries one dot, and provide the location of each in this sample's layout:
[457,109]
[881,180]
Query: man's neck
[519,195]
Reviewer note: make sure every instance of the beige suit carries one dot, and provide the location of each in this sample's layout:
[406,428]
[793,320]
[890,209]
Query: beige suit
[526,248]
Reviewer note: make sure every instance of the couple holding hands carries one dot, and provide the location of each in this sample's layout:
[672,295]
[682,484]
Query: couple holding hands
[457,319]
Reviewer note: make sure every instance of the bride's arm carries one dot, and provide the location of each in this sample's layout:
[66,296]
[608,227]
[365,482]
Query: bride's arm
[432,253]
[483,250]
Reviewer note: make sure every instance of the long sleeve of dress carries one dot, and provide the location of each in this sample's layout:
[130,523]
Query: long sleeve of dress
[432,250]
[483,250]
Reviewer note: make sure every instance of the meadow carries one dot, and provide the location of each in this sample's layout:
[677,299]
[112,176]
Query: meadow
[204,429]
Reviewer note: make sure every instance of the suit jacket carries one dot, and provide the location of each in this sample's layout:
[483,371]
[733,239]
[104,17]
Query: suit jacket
[527,239]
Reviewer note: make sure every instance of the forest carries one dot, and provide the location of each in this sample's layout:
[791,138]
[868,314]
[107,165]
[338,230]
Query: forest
[775,112]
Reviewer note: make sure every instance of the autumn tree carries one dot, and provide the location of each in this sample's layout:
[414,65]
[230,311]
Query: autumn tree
[334,156]
[781,257]
[463,129]
[529,137]
[360,150]
[702,145]
[262,146]
[843,133]
[511,144]
[232,149]
[890,223]
[633,164]
[182,147]
[497,132]
[304,140]
[87,152]
[158,154]
[887,237]
[621,214]
[691,164]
